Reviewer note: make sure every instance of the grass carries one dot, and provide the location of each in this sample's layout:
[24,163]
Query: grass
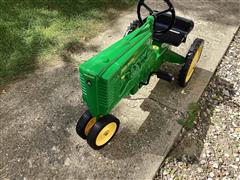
[32,31]
[192,113]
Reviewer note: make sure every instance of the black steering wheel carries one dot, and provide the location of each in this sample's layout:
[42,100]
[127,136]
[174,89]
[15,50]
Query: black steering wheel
[156,13]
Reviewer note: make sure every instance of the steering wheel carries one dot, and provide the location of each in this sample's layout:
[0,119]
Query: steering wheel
[156,13]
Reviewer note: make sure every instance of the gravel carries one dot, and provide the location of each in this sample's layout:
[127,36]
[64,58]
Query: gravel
[211,150]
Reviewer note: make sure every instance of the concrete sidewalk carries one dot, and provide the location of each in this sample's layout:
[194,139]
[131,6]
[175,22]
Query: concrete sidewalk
[38,115]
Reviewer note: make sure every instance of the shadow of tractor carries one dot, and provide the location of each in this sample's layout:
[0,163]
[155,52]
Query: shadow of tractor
[188,148]
[160,125]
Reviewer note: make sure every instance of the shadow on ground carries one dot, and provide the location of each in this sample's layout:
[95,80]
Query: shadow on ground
[34,30]
[77,48]
[165,105]
[190,144]
[35,123]
[76,7]
[150,138]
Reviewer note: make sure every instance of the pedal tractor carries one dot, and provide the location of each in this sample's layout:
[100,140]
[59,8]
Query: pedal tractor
[123,68]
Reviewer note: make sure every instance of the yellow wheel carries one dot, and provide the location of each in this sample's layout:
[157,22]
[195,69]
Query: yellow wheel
[103,131]
[191,61]
[85,124]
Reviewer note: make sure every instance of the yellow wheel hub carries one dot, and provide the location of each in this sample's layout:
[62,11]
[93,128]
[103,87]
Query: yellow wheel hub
[89,125]
[193,64]
[106,134]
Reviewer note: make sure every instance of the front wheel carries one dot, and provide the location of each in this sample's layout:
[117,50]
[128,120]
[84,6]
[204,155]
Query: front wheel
[103,131]
[191,61]
[85,123]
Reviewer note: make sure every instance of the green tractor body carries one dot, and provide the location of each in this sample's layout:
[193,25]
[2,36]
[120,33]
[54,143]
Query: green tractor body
[123,68]
[119,70]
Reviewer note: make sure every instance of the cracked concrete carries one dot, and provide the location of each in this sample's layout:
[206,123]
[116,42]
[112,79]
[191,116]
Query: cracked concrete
[38,114]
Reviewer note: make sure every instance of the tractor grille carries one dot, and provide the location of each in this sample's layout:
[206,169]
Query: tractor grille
[83,84]
[103,99]
[99,96]
[106,94]
[103,94]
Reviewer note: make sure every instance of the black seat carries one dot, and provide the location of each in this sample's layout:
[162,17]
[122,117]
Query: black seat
[177,34]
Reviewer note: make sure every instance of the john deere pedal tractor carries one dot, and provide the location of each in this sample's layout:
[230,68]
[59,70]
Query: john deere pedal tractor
[126,66]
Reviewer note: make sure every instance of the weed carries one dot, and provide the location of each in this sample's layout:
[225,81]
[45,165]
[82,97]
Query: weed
[192,113]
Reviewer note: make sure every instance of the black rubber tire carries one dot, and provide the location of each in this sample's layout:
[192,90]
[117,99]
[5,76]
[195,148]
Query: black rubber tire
[96,129]
[198,43]
[133,26]
[82,123]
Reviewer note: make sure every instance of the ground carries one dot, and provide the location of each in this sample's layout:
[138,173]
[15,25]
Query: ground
[211,150]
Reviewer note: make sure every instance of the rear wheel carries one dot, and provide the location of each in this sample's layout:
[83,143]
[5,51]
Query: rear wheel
[191,61]
[103,131]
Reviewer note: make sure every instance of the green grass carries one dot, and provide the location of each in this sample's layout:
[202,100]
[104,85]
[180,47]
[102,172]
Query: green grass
[32,31]
[192,113]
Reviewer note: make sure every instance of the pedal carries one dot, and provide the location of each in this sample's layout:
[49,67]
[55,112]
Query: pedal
[165,76]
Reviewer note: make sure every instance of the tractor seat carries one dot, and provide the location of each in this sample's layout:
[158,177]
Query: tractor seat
[177,34]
